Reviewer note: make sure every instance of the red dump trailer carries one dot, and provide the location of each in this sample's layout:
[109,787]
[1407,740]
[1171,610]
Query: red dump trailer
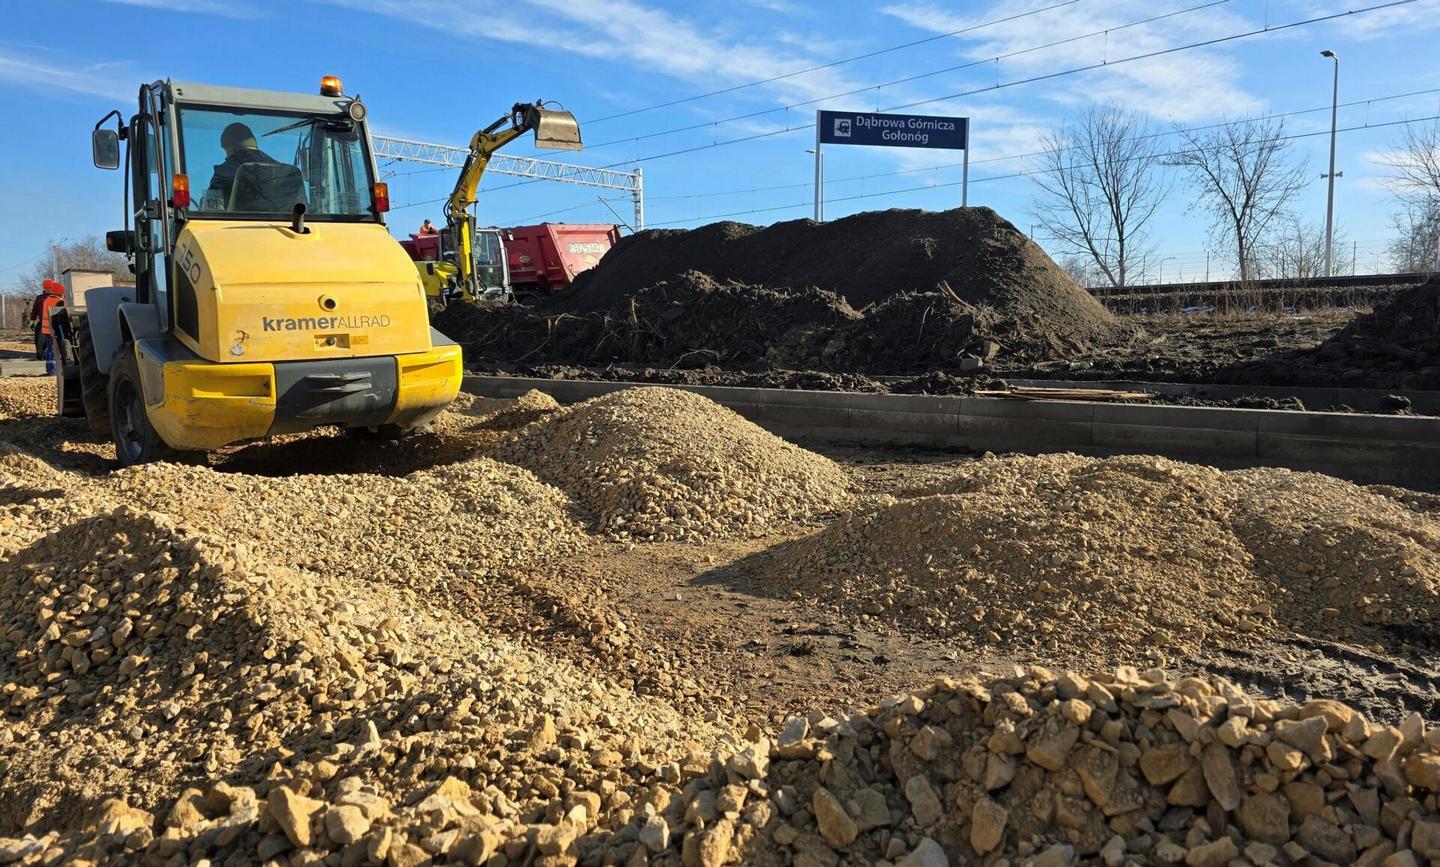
[545,258]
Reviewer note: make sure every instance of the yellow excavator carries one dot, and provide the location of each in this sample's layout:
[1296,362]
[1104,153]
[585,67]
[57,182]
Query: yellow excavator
[271,300]
[471,258]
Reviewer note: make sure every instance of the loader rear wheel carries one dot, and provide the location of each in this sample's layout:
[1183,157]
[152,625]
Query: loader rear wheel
[94,385]
[136,440]
[68,401]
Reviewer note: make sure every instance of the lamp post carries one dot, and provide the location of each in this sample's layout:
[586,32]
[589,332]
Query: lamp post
[1162,268]
[1330,198]
[819,183]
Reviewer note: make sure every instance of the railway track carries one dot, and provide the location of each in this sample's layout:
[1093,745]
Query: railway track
[1231,295]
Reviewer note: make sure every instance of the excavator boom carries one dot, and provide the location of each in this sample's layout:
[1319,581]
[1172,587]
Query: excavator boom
[554,130]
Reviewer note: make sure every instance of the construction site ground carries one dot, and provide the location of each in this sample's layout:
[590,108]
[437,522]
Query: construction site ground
[701,638]
[643,630]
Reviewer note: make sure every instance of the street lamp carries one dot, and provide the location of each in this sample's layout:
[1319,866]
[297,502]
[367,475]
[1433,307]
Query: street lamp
[819,183]
[1162,268]
[1330,199]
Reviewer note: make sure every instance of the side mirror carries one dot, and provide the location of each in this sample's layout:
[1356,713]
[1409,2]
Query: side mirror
[120,241]
[105,148]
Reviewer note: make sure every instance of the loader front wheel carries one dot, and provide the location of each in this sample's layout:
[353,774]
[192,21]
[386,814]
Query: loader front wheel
[136,440]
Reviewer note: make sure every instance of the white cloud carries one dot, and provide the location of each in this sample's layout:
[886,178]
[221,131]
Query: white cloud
[94,81]
[652,39]
[222,8]
[1396,20]
[1196,84]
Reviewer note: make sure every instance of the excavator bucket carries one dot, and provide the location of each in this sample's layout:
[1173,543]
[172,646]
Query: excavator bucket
[557,130]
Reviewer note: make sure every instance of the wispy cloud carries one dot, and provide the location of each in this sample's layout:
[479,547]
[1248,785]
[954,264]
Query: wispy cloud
[1415,17]
[96,80]
[651,39]
[222,8]
[1195,88]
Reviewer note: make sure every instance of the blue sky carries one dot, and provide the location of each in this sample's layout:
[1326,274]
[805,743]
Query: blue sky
[434,70]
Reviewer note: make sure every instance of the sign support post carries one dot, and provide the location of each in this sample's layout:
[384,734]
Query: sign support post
[818,179]
[965,171]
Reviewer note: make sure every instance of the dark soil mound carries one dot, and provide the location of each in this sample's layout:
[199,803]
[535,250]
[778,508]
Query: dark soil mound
[1396,346]
[936,287]
[865,258]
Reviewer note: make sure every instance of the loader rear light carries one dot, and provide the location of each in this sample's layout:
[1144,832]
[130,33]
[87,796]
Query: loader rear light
[330,86]
[382,196]
[180,191]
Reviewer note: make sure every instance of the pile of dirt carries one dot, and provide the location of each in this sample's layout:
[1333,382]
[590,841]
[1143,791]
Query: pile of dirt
[934,288]
[1050,771]
[1127,555]
[1395,346]
[660,463]
[864,258]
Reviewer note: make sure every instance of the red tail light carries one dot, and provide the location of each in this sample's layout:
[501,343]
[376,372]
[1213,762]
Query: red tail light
[180,191]
[382,197]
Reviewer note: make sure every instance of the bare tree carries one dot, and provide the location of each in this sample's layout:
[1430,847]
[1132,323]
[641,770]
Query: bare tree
[1415,175]
[1415,163]
[1083,270]
[1295,249]
[86,253]
[1246,175]
[1416,247]
[1100,187]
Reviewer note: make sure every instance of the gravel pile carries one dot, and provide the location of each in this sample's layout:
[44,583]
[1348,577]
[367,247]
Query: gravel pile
[1049,771]
[659,463]
[473,519]
[26,396]
[1126,555]
[170,693]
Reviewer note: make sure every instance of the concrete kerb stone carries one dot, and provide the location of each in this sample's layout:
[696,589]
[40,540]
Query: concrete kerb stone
[1399,449]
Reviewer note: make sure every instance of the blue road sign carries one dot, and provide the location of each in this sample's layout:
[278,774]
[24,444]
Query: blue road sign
[893,130]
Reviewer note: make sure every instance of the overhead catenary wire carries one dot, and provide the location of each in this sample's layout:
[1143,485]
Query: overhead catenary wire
[1028,154]
[1011,175]
[1032,79]
[831,64]
[916,77]
[1019,82]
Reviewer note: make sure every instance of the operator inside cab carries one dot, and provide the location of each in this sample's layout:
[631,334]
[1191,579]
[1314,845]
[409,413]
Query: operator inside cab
[240,149]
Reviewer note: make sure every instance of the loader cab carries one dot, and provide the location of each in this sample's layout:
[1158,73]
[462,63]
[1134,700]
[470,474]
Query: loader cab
[300,159]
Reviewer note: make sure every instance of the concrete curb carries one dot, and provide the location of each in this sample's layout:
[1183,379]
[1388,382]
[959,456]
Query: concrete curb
[22,368]
[1402,450]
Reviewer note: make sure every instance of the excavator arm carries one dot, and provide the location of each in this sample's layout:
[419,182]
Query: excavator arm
[553,129]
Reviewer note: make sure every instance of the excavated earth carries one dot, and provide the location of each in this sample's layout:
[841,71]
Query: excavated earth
[880,292]
[641,630]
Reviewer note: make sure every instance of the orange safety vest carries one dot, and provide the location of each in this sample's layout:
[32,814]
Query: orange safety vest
[47,304]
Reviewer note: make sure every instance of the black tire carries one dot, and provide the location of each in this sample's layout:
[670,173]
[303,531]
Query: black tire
[94,385]
[68,400]
[136,440]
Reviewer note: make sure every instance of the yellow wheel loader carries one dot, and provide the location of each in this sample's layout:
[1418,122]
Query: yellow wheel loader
[269,297]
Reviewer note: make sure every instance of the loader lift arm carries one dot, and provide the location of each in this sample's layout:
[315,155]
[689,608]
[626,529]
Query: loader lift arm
[553,129]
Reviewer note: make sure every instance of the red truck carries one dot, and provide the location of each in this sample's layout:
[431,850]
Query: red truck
[538,260]
[546,258]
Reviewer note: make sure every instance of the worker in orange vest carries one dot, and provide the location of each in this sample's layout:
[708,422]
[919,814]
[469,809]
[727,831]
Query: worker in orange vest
[40,311]
[427,229]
